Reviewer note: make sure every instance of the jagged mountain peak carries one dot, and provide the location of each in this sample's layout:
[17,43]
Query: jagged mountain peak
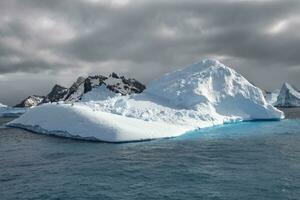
[113,83]
[114,75]
[30,101]
[56,94]
[80,79]
[289,96]
[56,86]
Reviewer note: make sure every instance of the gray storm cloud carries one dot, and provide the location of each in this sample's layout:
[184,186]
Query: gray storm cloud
[44,42]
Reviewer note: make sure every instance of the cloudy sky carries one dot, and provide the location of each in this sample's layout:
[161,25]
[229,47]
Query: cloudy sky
[43,42]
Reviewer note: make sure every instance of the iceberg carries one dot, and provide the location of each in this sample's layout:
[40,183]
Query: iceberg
[288,97]
[7,111]
[201,95]
[2,106]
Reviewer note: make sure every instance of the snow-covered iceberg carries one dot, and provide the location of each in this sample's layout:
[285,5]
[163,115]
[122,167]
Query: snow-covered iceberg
[2,106]
[200,95]
[288,97]
[7,111]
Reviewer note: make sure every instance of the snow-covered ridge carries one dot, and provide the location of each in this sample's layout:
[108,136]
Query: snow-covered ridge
[288,97]
[201,95]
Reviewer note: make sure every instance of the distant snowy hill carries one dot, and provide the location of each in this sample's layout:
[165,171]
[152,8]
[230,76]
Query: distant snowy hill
[2,109]
[201,95]
[2,105]
[30,101]
[288,97]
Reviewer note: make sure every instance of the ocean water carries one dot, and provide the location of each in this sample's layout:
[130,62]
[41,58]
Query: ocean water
[252,160]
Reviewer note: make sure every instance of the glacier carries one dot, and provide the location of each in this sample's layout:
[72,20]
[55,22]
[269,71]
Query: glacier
[200,95]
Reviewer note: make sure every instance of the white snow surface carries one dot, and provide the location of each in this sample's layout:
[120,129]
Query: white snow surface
[271,97]
[2,106]
[201,95]
[98,94]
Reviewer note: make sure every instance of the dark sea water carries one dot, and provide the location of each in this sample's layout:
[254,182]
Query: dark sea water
[252,160]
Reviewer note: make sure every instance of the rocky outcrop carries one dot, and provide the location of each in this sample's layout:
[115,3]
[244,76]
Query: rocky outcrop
[114,83]
[58,93]
[30,101]
[288,97]
[122,85]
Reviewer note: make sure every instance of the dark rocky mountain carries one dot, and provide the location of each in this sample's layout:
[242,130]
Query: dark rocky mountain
[30,101]
[58,93]
[114,83]
[126,86]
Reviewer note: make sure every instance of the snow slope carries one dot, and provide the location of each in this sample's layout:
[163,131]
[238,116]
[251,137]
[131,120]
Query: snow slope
[201,95]
[271,97]
[97,94]
[288,97]
[81,121]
